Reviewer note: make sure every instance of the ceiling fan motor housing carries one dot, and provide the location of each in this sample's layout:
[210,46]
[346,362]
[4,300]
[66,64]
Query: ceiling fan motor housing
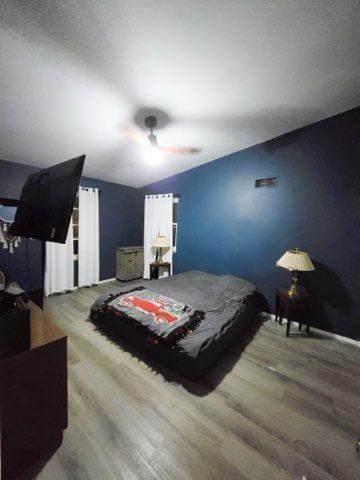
[151,122]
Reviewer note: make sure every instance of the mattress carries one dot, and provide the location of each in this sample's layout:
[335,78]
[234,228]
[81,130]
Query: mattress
[227,304]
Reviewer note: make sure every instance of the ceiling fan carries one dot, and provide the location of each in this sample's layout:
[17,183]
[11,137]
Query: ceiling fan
[151,140]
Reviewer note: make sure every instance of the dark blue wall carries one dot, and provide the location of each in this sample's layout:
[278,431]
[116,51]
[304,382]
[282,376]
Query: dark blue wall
[228,226]
[120,216]
[120,211]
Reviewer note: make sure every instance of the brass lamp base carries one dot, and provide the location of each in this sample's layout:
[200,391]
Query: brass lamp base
[293,288]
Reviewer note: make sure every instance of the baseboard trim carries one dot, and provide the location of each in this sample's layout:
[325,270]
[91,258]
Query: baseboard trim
[340,338]
[106,280]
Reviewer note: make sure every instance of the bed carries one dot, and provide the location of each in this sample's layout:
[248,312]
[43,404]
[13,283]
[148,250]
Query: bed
[185,321]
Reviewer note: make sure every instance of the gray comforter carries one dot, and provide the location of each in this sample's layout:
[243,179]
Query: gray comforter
[221,297]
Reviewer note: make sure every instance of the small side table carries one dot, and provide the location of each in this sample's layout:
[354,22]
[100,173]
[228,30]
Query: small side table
[154,269]
[295,308]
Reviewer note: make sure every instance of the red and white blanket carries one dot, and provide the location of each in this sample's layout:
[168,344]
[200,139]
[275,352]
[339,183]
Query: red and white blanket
[163,316]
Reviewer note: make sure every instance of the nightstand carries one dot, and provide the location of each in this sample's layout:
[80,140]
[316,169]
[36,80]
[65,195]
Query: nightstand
[154,269]
[295,308]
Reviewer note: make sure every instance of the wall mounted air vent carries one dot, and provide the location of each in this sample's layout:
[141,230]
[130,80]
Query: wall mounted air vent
[266,182]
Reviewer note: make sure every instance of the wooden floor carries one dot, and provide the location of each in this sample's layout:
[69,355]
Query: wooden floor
[284,408]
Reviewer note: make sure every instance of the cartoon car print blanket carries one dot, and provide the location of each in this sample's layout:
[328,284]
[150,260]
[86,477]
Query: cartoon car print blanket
[165,317]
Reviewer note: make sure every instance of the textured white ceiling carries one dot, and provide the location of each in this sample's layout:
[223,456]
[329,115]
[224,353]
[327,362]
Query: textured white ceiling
[227,74]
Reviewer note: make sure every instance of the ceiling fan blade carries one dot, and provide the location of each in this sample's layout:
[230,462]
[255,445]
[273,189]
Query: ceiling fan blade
[136,136]
[181,150]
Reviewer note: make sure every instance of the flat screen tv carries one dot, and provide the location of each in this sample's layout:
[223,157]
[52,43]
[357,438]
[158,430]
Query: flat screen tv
[46,202]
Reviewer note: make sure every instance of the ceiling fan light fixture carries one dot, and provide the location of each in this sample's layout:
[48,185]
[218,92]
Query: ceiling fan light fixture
[153,155]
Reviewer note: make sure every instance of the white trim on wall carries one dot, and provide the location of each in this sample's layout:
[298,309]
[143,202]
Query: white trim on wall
[106,280]
[340,338]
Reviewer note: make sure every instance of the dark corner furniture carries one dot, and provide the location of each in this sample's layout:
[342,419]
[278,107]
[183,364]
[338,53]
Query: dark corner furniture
[33,392]
[296,308]
[155,267]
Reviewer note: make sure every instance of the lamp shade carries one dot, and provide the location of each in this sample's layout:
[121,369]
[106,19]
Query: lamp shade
[296,260]
[161,241]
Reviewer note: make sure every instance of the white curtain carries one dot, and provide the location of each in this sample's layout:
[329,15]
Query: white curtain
[88,236]
[59,265]
[158,221]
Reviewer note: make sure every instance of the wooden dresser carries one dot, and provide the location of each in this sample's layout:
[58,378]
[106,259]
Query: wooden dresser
[33,398]
[129,263]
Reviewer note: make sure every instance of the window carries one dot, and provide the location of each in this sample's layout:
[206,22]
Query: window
[175,221]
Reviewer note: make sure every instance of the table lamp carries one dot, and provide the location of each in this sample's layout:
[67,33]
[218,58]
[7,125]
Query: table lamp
[295,261]
[160,242]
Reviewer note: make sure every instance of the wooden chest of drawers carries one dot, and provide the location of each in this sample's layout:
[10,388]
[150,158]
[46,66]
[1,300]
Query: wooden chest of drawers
[33,398]
[129,263]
